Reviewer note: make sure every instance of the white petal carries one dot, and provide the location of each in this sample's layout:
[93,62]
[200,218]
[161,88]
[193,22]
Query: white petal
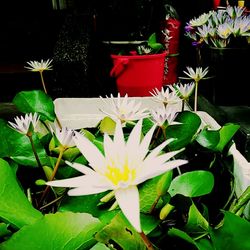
[93,179]
[135,135]
[118,136]
[89,150]
[86,190]
[80,167]
[154,171]
[128,200]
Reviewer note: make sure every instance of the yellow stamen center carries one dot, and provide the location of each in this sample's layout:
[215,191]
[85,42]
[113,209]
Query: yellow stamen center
[122,177]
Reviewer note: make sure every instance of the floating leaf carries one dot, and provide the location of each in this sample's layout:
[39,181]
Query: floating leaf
[192,184]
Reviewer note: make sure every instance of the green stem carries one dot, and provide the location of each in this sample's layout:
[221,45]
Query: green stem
[34,149]
[242,201]
[154,204]
[146,241]
[46,190]
[196,96]
[43,83]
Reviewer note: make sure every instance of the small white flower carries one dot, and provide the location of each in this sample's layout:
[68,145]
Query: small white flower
[23,124]
[124,165]
[36,66]
[165,96]
[184,90]
[202,19]
[125,109]
[164,114]
[196,74]
[64,136]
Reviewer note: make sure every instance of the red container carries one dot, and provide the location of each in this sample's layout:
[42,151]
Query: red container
[137,75]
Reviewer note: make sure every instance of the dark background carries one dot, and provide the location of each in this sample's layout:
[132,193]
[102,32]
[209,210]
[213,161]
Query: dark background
[73,37]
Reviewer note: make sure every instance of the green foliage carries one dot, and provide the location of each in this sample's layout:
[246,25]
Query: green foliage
[90,222]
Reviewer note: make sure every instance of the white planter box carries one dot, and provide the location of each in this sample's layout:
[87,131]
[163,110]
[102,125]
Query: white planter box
[85,112]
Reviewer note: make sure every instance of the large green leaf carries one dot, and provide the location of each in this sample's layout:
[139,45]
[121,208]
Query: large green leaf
[15,207]
[185,131]
[192,184]
[233,235]
[65,230]
[226,134]
[35,101]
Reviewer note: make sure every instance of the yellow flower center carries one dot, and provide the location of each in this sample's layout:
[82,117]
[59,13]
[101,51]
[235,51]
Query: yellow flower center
[121,177]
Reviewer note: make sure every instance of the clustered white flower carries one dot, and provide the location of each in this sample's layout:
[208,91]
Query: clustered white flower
[218,28]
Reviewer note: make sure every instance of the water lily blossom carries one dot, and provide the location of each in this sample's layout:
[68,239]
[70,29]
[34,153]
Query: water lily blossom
[124,109]
[124,165]
[64,135]
[165,96]
[37,66]
[197,74]
[164,114]
[23,124]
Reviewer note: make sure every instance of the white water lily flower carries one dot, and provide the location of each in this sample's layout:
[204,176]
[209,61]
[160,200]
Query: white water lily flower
[164,114]
[202,19]
[124,165]
[165,96]
[124,109]
[36,66]
[197,74]
[64,135]
[23,124]
[183,90]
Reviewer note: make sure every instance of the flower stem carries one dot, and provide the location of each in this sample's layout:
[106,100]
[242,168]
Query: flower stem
[46,190]
[43,83]
[146,241]
[34,150]
[196,96]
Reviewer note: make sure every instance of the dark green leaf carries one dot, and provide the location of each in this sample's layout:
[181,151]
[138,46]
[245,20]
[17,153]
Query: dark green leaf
[233,235]
[192,184]
[226,134]
[35,101]
[184,132]
[15,207]
[208,138]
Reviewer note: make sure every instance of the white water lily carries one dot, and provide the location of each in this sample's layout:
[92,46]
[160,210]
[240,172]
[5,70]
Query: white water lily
[37,66]
[165,96]
[124,109]
[124,165]
[64,135]
[183,90]
[23,124]
[197,74]
[164,114]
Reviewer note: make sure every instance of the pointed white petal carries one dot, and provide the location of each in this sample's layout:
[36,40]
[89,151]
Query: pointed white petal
[81,168]
[128,200]
[89,150]
[159,169]
[86,190]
